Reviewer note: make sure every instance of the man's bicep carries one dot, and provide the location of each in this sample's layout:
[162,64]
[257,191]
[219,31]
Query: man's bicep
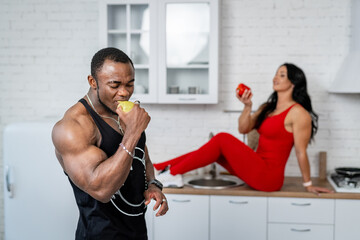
[80,165]
[79,156]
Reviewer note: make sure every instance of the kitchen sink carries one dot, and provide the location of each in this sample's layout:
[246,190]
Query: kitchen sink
[219,182]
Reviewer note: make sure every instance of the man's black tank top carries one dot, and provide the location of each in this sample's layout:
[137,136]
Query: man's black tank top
[122,217]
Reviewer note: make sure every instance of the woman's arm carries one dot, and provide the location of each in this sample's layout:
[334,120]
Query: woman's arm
[246,120]
[301,123]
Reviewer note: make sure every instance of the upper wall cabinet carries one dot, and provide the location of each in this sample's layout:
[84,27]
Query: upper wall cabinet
[173,44]
[131,26]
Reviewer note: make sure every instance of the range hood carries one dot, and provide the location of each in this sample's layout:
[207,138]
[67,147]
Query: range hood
[347,79]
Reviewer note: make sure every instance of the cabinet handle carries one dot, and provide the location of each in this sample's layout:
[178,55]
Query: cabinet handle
[238,202]
[301,204]
[181,201]
[187,99]
[300,230]
[9,186]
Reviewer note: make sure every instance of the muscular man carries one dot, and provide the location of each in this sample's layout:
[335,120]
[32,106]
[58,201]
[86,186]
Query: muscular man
[103,152]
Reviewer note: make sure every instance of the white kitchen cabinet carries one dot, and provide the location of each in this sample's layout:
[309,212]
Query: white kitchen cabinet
[188,60]
[300,218]
[241,217]
[347,219]
[234,217]
[187,218]
[278,231]
[131,25]
[173,44]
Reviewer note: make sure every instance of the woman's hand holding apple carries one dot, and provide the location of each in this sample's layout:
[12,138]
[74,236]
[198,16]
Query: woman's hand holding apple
[244,94]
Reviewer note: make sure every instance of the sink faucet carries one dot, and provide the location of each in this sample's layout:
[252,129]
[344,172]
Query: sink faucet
[211,135]
[212,172]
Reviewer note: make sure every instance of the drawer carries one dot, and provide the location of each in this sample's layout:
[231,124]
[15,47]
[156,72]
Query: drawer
[278,231]
[301,210]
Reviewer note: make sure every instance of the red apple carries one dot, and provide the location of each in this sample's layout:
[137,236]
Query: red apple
[241,89]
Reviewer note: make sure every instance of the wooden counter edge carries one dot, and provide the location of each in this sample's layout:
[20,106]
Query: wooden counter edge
[292,188]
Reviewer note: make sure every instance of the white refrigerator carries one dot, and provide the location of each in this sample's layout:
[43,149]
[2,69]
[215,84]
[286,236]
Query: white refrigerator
[38,199]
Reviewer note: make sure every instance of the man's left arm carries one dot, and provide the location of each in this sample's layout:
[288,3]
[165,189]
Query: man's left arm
[154,191]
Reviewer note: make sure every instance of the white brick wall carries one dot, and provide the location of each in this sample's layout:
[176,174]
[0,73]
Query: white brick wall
[46,47]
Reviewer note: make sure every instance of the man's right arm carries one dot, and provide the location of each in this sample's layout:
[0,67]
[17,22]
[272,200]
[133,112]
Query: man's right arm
[87,165]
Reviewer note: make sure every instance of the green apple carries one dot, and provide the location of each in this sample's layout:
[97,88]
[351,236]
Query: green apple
[126,106]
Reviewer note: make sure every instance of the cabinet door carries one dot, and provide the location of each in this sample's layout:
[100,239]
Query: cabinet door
[347,219]
[188,65]
[187,218]
[301,210]
[279,231]
[238,217]
[131,27]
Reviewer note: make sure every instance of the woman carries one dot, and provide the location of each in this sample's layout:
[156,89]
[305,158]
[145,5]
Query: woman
[284,121]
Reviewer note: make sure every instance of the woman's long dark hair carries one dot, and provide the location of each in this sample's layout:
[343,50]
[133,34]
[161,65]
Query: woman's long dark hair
[300,95]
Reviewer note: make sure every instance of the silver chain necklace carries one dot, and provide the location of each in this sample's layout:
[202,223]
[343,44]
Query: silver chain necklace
[117,121]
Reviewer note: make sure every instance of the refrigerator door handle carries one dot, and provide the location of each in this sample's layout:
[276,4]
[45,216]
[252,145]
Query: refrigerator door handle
[9,186]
